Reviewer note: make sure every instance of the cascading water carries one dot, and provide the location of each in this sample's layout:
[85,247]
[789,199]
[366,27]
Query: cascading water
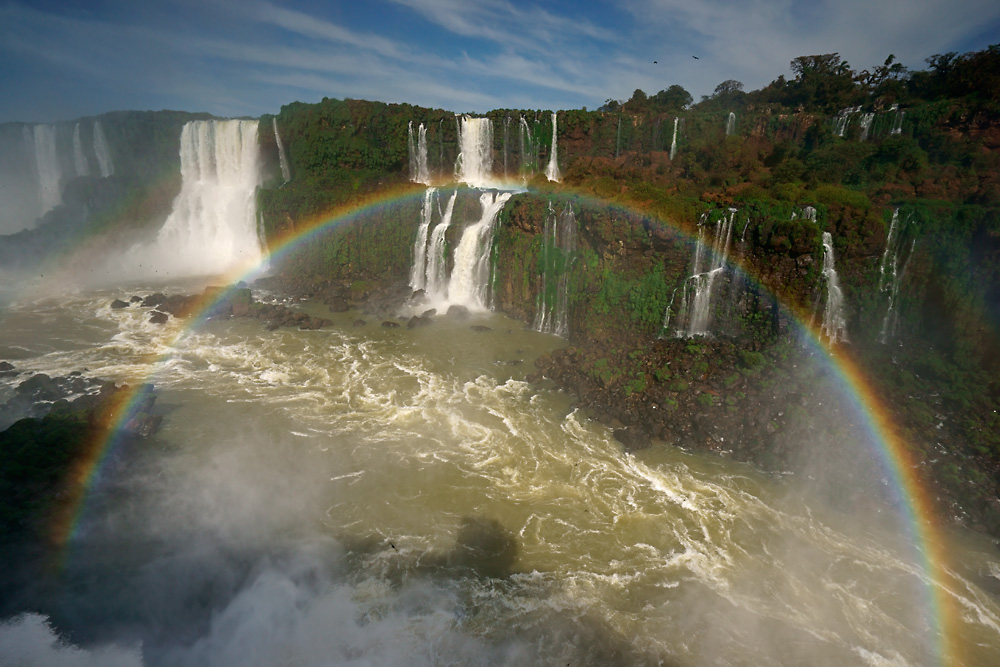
[890,276]
[102,152]
[866,123]
[694,312]
[834,325]
[47,168]
[673,140]
[286,174]
[897,119]
[79,158]
[527,150]
[213,225]
[730,124]
[418,273]
[470,278]
[552,171]
[417,144]
[435,281]
[558,247]
[475,159]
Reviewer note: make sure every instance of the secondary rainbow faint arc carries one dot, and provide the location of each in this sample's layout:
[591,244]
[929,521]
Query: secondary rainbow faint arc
[891,450]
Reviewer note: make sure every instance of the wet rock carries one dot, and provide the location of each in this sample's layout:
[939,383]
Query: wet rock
[118,304]
[458,312]
[415,322]
[480,328]
[389,324]
[359,323]
[40,387]
[633,439]
[135,299]
[430,312]
[157,317]
[154,300]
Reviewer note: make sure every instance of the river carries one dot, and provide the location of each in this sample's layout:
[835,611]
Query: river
[363,495]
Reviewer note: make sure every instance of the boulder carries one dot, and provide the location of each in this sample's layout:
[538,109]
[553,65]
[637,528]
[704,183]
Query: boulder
[118,304]
[157,317]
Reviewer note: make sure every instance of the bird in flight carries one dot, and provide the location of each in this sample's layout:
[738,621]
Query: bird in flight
[696,57]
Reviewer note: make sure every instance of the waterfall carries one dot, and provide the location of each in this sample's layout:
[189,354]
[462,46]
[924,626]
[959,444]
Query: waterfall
[47,168]
[552,171]
[418,273]
[834,325]
[435,274]
[286,175]
[79,158]
[558,248]
[673,141]
[411,150]
[731,124]
[213,225]
[897,121]
[102,151]
[709,262]
[527,151]
[889,275]
[470,279]
[866,123]
[475,159]
[417,145]
[618,137]
[506,138]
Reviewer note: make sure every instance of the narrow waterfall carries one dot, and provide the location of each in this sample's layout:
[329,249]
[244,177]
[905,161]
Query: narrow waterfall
[411,146]
[470,279]
[558,248]
[527,150]
[866,123]
[841,121]
[694,313]
[418,273]
[212,228]
[47,168]
[103,152]
[834,325]
[673,141]
[897,123]
[731,124]
[286,174]
[417,145]
[552,171]
[475,159]
[890,276]
[80,164]
[506,139]
[435,275]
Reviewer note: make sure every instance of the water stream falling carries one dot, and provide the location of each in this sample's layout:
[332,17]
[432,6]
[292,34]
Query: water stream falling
[474,165]
[558,248]
[102,151]
[731,124]
[48,171]
[79,158]
[469,284]
[286,174]
[673,140]
[834,325]
[890,275]
[418,272]
[213,225]
[436,280]
[552,170]
[528,159]
[419,170]
[866,123]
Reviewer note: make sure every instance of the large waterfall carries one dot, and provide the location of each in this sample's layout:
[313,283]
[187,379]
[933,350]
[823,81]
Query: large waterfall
[102,152]
[552,171]
[286,174]
[470,278]
[47,167]
[558,248]
[834,325]
[475,159]
[436,280]
[212,228]
[694,314]
[417,145]
[418,273]
[79,158]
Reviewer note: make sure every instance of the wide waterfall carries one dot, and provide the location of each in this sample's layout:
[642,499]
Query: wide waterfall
[470,278]
[475,159]
[212,228]
[436,273]
[286,174]
[552,170]
[834,325]
[558,248]
[694,316]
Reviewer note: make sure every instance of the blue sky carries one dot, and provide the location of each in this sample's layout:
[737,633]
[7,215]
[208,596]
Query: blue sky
[63,59]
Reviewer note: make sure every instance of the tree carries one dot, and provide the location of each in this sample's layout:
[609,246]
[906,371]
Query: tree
[674,98]
[823,81]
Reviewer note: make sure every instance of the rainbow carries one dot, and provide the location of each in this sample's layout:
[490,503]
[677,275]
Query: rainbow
[913,501]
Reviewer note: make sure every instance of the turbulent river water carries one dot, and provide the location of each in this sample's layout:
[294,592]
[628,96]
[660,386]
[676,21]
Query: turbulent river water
[374,496]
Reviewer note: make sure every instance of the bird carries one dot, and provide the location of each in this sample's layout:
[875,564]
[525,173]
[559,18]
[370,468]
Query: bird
[696,57]
[654,62]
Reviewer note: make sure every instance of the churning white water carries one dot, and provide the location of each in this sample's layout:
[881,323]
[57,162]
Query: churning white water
[363,495]
[212,228]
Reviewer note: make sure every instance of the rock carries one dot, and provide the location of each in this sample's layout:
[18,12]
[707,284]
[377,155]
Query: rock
[429,312]
[359,323]
[40,387]
[135,299]
[388,324]
[458,312]
[338,305]
[415,322]
[154,300]
[118,304]
[480,328]
[632,438]
[157,317]
[7,370]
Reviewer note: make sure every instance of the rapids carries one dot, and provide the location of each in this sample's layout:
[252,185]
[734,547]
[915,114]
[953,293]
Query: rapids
[364,495]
